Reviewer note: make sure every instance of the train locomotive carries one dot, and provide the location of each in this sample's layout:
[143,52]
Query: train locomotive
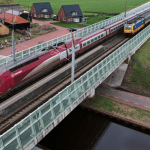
[21,72]
[137,23]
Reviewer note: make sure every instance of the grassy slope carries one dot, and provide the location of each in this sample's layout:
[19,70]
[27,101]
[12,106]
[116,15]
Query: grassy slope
[120,109]
[137,77]
[106,6]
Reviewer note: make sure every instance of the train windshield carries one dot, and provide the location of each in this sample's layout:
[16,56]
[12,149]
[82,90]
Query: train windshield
[127,27]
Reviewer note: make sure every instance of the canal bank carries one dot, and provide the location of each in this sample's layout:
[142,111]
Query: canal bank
[128,112]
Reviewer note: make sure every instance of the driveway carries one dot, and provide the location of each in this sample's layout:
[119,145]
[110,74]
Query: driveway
[30,43]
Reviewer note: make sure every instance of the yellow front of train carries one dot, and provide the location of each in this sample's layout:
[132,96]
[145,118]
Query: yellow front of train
[128,28]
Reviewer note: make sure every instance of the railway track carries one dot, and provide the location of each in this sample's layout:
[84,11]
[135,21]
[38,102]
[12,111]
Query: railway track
[42,98]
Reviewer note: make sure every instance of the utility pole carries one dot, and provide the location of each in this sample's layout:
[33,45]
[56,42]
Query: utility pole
[13,45]
[125,8]
[73,59]
[28,13]
[4,13]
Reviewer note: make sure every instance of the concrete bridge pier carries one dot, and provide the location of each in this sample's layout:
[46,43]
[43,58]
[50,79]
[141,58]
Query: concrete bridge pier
[92,92]
[129,58]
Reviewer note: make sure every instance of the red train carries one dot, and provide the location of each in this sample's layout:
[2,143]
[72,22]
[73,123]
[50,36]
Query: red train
[22,72]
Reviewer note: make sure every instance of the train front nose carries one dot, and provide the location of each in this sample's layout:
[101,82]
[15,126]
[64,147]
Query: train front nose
[127,29]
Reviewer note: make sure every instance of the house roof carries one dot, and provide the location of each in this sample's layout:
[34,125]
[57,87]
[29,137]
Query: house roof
[40,6]
[14,12]
[68,9]
[7,15]
[16,19]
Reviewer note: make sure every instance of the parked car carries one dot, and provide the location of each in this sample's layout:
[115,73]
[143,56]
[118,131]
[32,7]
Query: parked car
[54,18]
[73,29]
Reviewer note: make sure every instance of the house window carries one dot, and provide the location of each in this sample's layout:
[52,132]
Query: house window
[68,19]
[61,13]
[41,15]
[45,10]
[74,13]
[38,15]
[64,19]
[34,15]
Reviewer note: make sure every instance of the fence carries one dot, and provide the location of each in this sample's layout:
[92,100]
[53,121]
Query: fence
[82,32]
[26,130]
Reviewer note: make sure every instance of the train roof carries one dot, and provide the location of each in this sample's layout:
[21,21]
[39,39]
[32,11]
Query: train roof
[139,18]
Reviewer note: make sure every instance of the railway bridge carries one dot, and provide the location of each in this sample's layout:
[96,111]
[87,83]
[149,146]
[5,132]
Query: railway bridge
[30,130]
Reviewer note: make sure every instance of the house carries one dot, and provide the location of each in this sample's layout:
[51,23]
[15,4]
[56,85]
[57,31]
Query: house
[19,23]
[3,30]
[25,16]
[5,16]
[14,12]
[41,10]
[70,13]
[4,8]
[21,14]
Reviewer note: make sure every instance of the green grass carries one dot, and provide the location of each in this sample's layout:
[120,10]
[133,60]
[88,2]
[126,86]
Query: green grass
[90,20]
[119,109]
[34,25]
[50,19]
[9,38]
[6,2]
[105,6]
[141,66]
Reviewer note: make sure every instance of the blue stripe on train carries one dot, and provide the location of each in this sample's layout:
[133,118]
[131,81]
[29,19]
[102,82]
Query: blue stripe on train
[138,25]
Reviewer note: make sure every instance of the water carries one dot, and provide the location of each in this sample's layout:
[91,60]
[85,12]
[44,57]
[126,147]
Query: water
[118,137]
[86,130]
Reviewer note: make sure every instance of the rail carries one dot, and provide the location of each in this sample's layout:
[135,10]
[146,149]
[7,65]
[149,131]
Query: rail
[20,135]
[82,32]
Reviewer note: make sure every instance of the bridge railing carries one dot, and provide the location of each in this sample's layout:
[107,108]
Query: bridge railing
[82,32]
[20,135]
[138,9]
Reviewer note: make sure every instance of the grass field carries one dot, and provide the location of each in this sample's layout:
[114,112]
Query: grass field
[9,38]
[50,19]
[138,74]
[119,109]
[105,6]
[90,20]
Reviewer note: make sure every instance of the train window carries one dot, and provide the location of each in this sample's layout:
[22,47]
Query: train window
[95,38]
[102,35]
[84,44]
[88,42]
[99,37]
[111,30]
[92,40]
[0,81]
[24,64]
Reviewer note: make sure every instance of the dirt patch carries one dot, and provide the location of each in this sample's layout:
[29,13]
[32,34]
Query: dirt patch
[41,30]
[25,35]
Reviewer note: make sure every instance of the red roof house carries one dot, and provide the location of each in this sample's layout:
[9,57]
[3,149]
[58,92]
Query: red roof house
[19,23]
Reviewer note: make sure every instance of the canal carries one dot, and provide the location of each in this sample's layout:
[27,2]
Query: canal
[86,130]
